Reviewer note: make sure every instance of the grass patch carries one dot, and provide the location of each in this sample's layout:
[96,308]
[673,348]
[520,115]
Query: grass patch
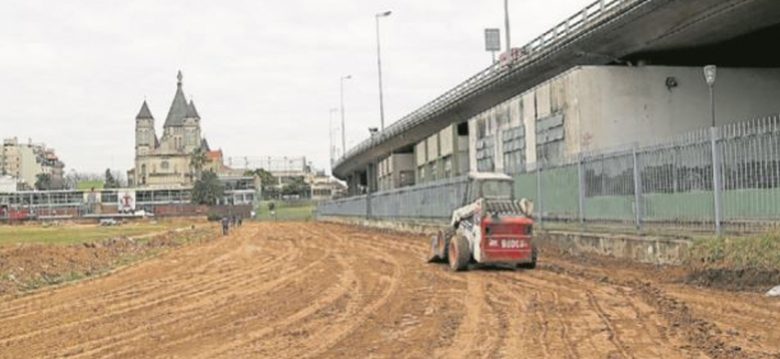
[760,252]
[287,211]
[75,233]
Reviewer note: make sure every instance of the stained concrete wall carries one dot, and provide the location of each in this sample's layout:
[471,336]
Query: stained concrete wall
[643,249]
[611,106]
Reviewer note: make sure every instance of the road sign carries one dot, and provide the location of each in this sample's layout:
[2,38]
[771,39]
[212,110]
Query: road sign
[492,40]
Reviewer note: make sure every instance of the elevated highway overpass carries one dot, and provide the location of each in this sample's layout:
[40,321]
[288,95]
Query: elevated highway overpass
[738,33]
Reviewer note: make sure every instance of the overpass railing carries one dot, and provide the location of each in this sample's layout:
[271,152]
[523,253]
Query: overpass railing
[588,18]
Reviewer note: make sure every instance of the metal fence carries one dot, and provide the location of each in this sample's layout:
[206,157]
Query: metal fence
[433,201]
[671,185]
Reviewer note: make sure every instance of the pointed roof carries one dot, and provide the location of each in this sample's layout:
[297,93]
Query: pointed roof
[144,113]
[178,110]
[205,145]
[192,112]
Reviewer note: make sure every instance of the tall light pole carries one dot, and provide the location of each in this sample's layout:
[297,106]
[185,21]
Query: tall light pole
[506,24]
[330,136]
[710,73]
[379,65]
[343,131]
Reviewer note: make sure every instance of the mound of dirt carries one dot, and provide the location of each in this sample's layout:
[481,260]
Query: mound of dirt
[753,280]
[30,266]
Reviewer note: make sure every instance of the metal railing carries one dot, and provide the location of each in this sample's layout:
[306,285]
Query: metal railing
[667,186]
[583,21]
[670,185]
[432,201]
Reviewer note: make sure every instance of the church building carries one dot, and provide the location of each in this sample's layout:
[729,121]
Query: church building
[165,162]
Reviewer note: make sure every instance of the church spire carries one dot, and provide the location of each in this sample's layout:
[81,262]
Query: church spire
[192,112]
[178,110]
[144,113]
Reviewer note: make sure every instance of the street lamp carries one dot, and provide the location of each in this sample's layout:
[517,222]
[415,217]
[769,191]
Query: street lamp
[330,135]
[379,65]
[343,131]
[710,74]
[506,23]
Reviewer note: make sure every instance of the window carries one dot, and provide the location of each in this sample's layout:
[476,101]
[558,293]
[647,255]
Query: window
[164,165]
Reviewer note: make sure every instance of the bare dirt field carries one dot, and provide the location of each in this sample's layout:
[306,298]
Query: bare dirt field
[320,290]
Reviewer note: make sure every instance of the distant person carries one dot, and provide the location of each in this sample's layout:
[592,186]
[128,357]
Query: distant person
[225,226]
[271,208]
[240,220]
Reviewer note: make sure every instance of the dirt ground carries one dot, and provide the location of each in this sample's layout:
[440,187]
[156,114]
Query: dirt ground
[319,290]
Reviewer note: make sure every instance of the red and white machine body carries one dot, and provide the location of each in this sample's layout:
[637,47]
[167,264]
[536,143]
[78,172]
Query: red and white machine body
[491,229]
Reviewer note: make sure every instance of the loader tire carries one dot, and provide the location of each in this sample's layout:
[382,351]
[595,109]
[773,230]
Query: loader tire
[440,246]
[459,254]
[532,264]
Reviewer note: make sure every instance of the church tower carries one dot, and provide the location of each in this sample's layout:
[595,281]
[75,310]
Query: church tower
[191,127]
[145,138]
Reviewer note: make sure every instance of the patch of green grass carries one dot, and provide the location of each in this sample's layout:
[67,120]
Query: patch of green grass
[750,252]
[298,211]
[69,234]
[44,281]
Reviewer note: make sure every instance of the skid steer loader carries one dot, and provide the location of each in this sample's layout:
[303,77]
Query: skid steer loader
[490,228]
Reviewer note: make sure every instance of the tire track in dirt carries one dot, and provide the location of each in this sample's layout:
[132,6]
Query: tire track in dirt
[206,287]
[348,283]
[322,290]
[612,333]
[197,305]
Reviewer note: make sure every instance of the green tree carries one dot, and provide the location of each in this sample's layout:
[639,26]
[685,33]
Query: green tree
[43,182]
[297,187]
[198,160]
[110,181]
[267,180]
[207,190]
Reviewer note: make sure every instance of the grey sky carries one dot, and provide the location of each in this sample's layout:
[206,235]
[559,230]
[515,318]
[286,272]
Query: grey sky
[263,74]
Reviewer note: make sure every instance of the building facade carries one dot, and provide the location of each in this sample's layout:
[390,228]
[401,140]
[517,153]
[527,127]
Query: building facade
[25,161]
[165,161]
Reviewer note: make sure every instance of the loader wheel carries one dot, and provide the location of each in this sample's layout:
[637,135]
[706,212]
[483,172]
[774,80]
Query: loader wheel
[435,255]
[439,247]
[459,254]
[532,264]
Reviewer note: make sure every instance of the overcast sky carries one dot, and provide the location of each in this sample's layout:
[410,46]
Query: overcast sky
[263,74]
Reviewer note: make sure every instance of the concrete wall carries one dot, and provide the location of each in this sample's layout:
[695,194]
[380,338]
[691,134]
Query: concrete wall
[645,249]
[604,107]
[618,105]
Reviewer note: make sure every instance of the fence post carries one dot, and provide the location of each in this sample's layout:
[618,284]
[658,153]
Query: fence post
[539,194]
[716,179]
[581,187]
[637,190]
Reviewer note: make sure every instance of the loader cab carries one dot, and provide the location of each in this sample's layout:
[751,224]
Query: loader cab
[489,186]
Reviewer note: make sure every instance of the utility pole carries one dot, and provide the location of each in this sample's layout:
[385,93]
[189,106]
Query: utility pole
[506,23]
[343,129]
[330,136]
[379,66]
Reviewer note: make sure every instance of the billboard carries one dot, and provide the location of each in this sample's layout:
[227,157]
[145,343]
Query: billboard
[126,201]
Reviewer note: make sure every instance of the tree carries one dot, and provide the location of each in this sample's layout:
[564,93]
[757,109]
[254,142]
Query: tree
[43,181]
[297,187]
[198,160]
[267,180]
[207,190]
[110,181]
